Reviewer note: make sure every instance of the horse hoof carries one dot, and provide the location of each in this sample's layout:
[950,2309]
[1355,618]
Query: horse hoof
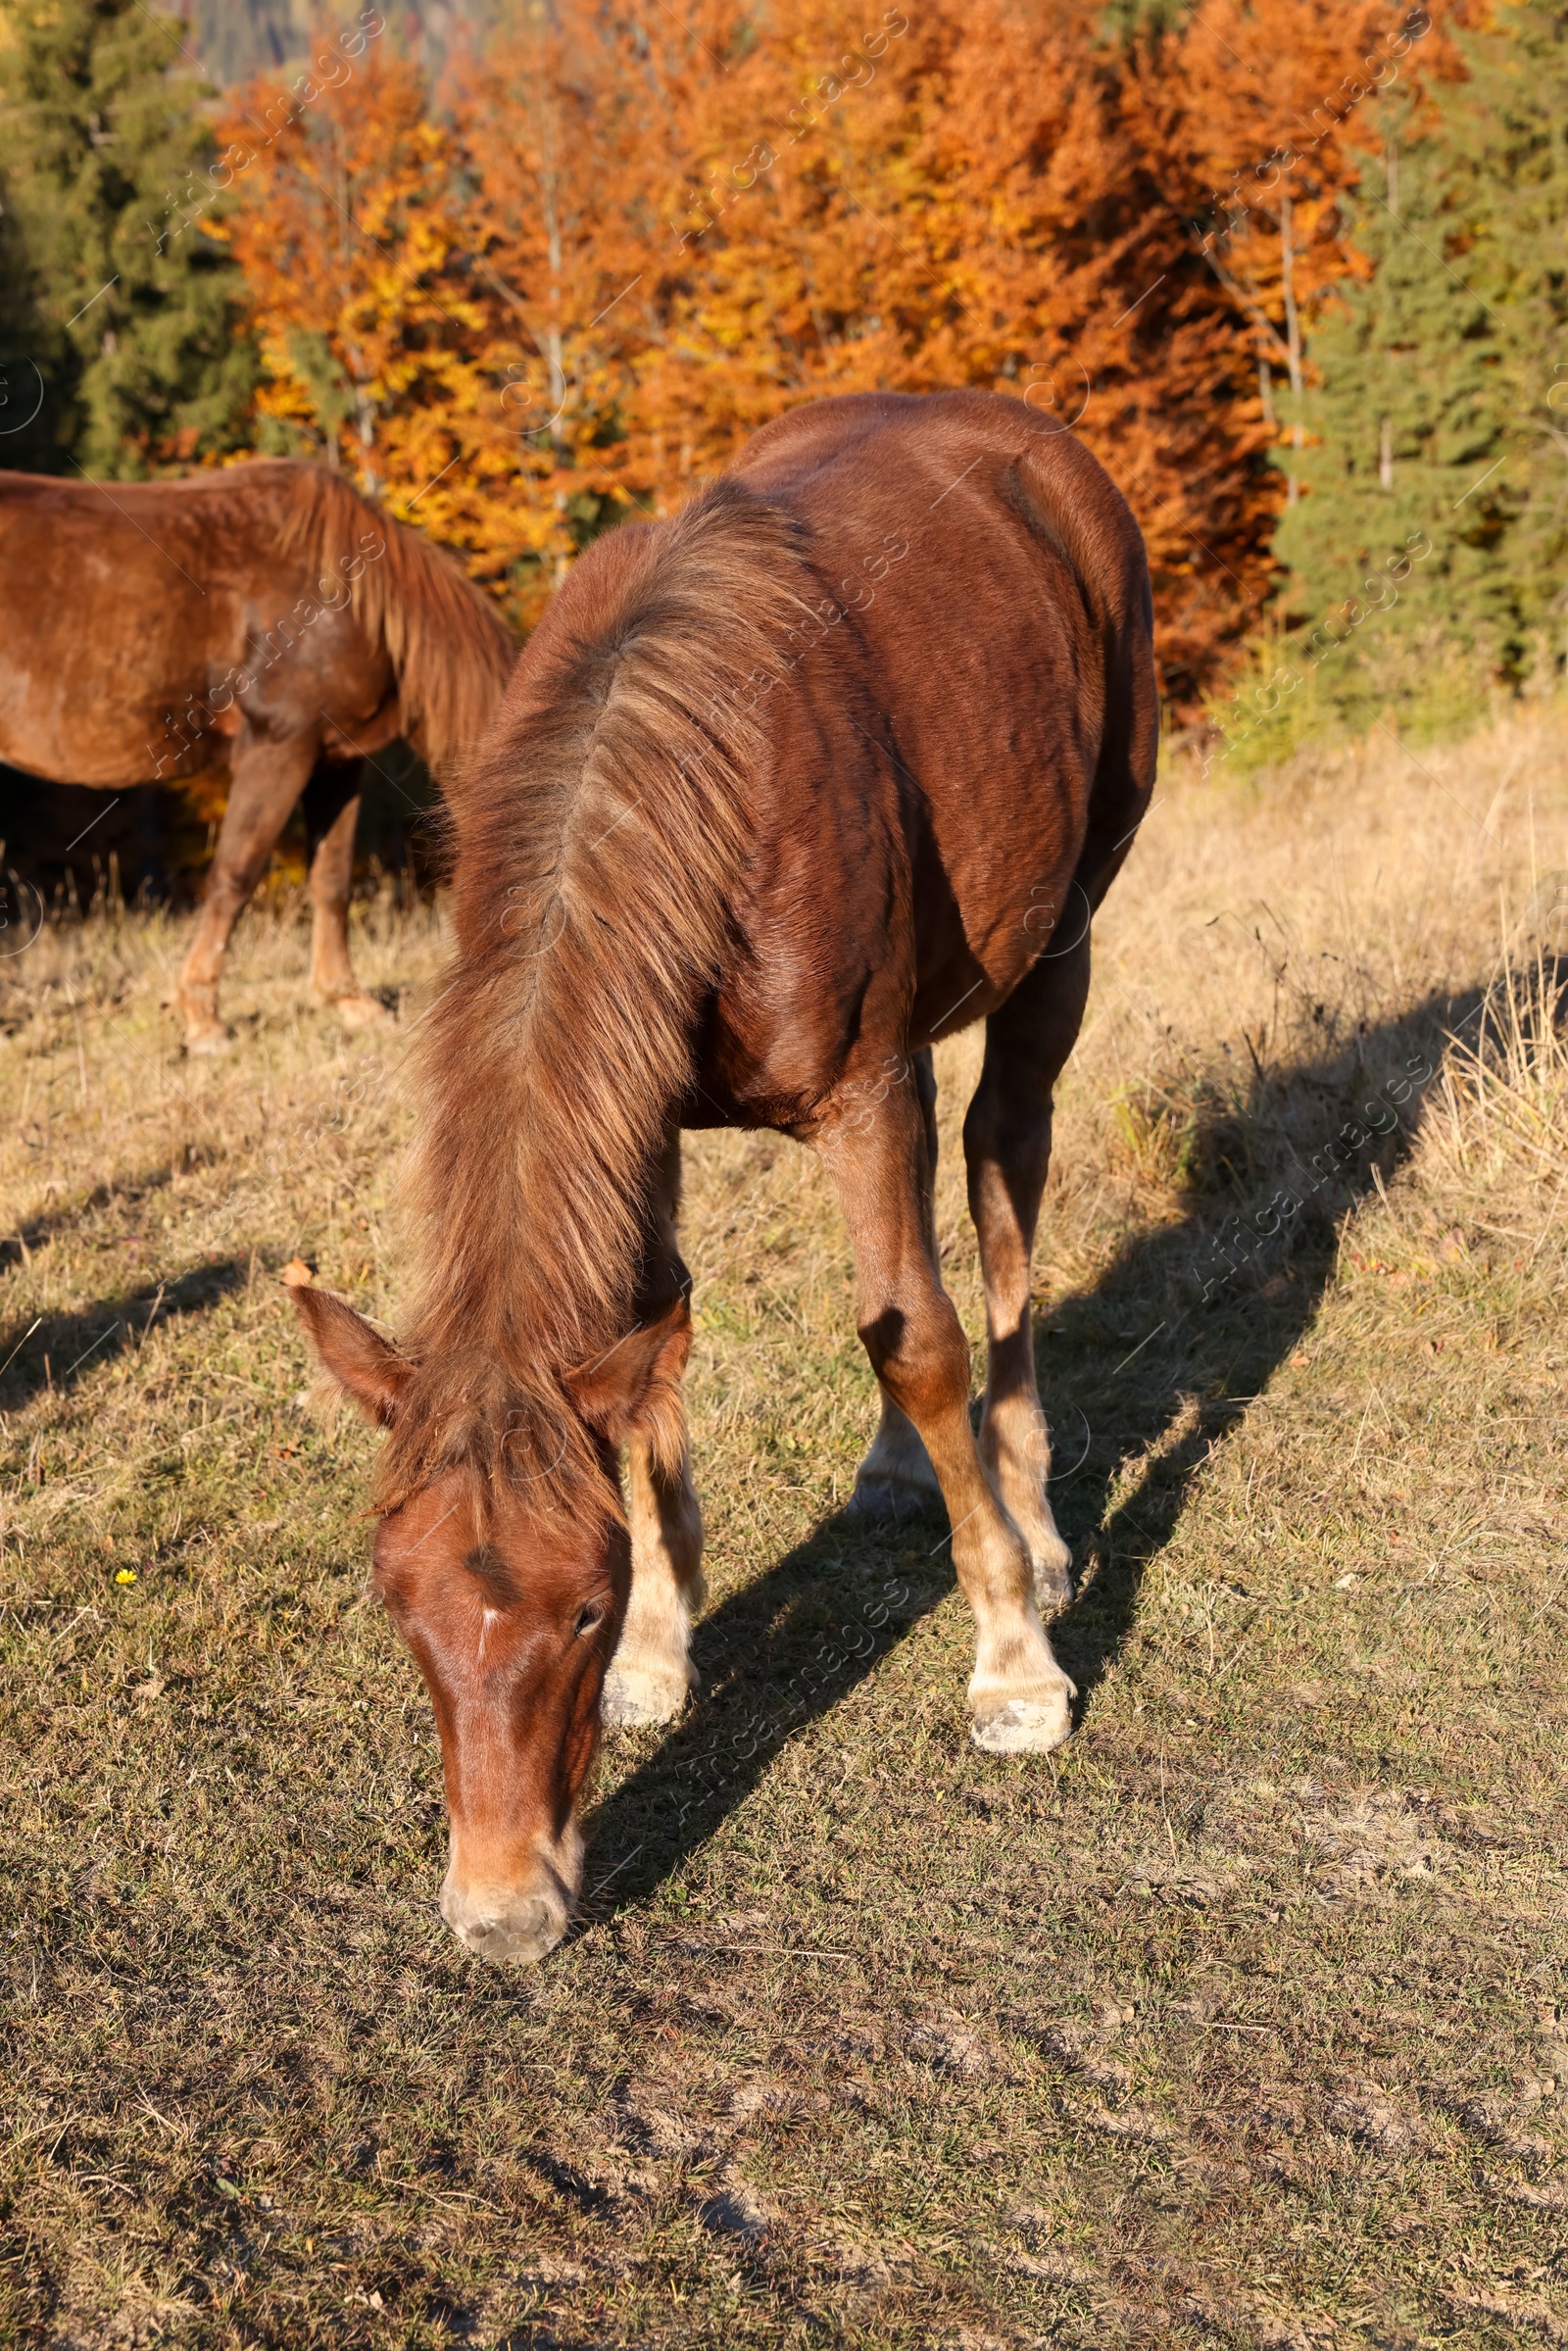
[892,1497]
[361,1012]
[1025,1727]
[635,1699]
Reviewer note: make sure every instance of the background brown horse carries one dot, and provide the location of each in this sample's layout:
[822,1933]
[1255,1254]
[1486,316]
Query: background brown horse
[264,618]
[836,761]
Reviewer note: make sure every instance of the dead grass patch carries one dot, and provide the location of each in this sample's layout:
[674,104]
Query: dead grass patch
[1238,2022]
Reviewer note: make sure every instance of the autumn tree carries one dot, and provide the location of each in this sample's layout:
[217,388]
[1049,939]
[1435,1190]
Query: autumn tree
[569,156]
[692,221]
[690,228]
[351,230]
[633,238]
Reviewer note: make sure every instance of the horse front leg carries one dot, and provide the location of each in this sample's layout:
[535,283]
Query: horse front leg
[1018,1694]
[331,819]
[267,780]
[650,1674]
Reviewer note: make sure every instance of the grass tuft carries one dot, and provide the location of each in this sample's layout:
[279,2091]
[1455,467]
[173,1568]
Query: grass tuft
[1502,1113]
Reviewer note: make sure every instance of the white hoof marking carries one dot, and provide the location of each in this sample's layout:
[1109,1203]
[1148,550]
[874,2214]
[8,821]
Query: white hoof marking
[635,1699]
[1025,1727]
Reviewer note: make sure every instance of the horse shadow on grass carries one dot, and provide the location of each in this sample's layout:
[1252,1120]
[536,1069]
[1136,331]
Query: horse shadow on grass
[55,1351]
[1142,1373]
[17,1246]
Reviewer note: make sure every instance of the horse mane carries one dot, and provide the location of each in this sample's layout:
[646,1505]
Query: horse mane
[449,648]
[602,844]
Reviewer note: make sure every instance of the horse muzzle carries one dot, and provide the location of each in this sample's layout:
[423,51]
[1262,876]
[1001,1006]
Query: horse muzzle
[519,1923]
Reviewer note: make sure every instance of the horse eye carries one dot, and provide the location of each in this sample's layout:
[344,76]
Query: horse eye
[589,1619]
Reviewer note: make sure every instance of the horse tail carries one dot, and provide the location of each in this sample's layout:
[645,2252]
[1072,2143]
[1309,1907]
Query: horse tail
[449,649]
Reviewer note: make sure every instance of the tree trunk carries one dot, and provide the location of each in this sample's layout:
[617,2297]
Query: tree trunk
[1293,345]
[554,349]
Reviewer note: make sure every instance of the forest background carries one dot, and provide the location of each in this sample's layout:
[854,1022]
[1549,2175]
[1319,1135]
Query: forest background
[1296,271]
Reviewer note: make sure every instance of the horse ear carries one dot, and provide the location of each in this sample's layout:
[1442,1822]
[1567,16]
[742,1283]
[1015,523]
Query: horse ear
[365,1366]
[634,1391]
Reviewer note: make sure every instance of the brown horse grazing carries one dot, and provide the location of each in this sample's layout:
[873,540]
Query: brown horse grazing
[263,617]
[836,761]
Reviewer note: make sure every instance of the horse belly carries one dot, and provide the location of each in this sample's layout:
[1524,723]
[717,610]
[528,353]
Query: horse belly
[97,659]
[109,728]
[828,959]
[917,860]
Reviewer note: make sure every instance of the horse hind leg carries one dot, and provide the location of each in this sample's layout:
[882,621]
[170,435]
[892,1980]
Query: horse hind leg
[332,818]
[1018,1694]
[896,1476]
[267,779]
[1007,1144]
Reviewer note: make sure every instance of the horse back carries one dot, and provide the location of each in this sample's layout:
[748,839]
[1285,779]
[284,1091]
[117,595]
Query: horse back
[148,625]
[965,737]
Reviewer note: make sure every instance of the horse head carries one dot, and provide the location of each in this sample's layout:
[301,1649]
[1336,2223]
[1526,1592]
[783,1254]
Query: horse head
[512,1605]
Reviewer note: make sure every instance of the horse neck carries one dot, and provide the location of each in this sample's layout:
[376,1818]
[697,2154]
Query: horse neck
[497,1335]
[603,841]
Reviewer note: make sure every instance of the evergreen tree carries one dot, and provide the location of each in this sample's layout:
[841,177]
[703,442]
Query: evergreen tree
[1439,423]
[1512,157]
[127,309]
[32,348]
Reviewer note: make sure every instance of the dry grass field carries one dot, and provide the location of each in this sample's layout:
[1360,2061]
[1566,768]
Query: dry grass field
[1241,2021]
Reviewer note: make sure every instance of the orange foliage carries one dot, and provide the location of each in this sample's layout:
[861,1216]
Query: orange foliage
[644,234]
[352,238]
